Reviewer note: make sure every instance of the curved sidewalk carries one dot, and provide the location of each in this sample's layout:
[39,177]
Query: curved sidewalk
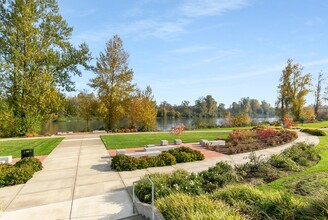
[77,182]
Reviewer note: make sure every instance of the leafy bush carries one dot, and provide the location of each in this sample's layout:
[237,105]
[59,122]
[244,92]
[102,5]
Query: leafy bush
[182,206]
[316,132]
[19,173]
[257,167]
[32,162]
[122,162]
[143,189]
[218,176]
[6,174]
[282,162]
[257,204]
[185,154]
[302,153]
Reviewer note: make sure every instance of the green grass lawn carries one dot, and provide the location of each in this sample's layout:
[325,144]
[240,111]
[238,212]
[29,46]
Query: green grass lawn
[224,129]
[119,141]
[312,180]
[41,146]
[323,124]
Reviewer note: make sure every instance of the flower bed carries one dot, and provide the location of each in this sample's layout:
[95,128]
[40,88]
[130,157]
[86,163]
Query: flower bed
[255,139]
[178,155]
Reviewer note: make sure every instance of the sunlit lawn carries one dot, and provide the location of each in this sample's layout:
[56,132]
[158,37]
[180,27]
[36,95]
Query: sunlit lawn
[42,146]
[118,141]
[323,124]
[314,179]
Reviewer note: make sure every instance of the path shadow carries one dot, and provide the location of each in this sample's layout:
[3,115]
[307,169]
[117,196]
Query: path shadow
[102,167]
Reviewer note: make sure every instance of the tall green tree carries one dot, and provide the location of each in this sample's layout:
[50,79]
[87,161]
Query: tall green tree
[292,90]
[36,59]
[113,82]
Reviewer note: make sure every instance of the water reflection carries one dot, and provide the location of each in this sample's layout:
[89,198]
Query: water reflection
[163,124]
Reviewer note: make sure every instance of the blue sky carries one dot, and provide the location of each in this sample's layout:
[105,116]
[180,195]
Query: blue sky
[185,49]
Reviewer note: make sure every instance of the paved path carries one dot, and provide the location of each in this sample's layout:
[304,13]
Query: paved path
[77,182]
[74,184]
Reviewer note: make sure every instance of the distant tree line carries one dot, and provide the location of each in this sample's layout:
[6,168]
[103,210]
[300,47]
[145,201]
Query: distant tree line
[207,107]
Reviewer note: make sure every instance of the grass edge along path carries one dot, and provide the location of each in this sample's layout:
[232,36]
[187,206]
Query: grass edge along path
[285,183]
[41,146]
[121,141]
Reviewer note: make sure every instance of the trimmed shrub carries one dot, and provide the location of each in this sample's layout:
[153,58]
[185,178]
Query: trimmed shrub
[185,154]
[19,173]
[315,132]
[6,174]
[122,162]
[167,158]
[32,162]
[182,206]
[218,176]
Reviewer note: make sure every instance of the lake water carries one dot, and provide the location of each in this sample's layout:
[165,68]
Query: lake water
[163,124]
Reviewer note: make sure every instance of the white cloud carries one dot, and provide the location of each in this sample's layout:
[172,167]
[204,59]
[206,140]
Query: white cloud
[198,8]
[166,30]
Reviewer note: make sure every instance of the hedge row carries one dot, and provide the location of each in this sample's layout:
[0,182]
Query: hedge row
[315,132]
[19,173]
[122,162]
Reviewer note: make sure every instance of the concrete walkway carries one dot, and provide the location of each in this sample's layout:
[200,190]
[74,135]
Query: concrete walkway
[77,182]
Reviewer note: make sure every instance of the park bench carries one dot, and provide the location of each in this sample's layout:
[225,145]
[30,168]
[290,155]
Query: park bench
[164,142]
[203,143]
[177,141]
[6,159]
[158,148]
[145,153]
[98,131]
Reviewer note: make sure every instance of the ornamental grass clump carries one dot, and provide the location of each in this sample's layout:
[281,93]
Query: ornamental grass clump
[259,205]
[182,206]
